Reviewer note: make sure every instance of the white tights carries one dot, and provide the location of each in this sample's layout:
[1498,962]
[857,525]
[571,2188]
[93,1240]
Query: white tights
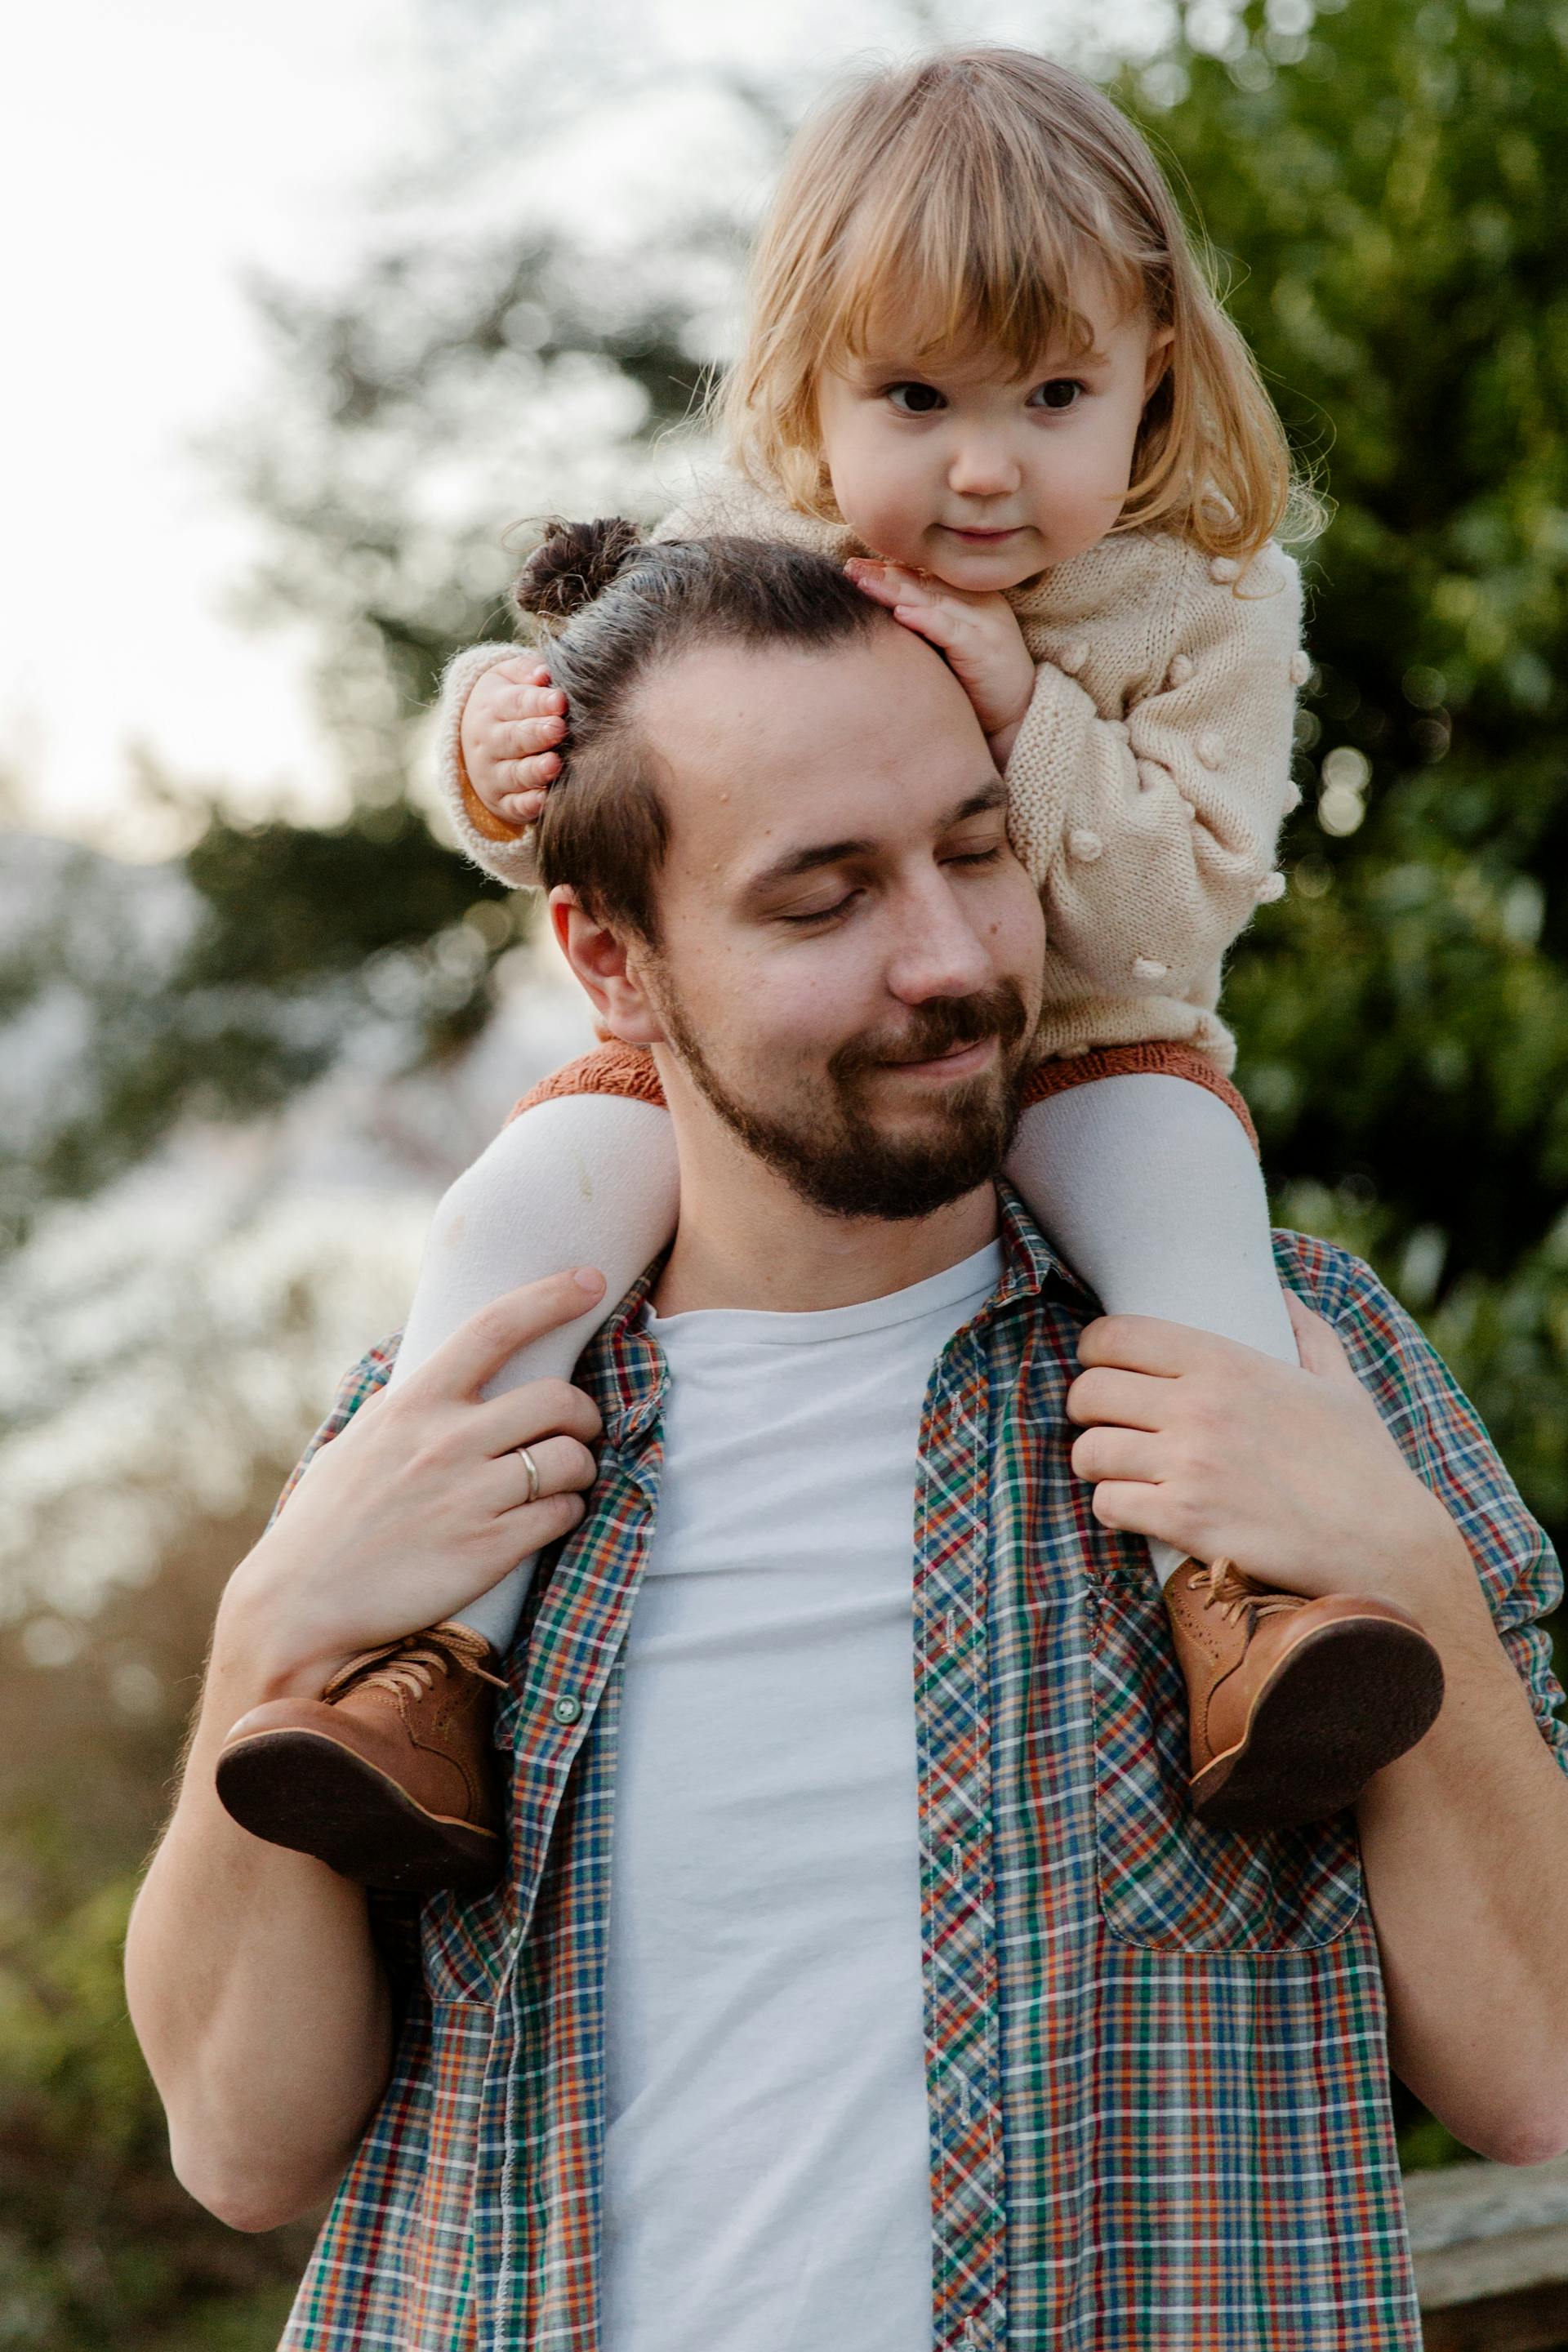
[1146,1184]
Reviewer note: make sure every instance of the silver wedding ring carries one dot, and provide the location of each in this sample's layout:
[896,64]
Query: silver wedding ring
[532,1466]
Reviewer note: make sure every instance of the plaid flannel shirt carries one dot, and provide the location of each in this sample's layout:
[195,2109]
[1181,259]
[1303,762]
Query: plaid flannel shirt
[1158,2087]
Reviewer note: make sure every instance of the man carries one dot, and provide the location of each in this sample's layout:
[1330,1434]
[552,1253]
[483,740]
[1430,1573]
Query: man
[860,1978]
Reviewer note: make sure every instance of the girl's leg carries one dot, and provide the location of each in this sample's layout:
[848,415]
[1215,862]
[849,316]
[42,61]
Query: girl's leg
[578,1180]
[1148,1182]
[1150,1187]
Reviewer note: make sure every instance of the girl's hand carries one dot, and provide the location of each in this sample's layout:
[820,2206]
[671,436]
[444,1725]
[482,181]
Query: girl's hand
[514,723]
[978,634]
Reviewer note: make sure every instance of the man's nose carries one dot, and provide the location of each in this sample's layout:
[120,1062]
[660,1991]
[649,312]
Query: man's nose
[984,467]
[937,951]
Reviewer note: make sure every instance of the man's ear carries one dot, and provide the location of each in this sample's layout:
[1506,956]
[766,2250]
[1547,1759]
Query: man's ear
[608,969]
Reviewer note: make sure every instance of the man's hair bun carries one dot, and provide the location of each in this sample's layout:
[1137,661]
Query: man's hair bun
[574,563]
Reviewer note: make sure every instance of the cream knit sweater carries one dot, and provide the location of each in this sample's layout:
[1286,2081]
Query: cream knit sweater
[1147,784]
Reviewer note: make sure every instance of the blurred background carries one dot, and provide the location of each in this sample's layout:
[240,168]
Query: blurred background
[312,309]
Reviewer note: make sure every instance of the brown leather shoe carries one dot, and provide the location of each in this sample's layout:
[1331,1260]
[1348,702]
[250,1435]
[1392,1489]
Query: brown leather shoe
[390,1775]
[1294,1704]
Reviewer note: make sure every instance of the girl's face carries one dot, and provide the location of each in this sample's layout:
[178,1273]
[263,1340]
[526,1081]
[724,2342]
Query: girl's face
[948,462]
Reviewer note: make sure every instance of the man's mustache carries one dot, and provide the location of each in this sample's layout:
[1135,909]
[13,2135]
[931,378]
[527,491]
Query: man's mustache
[940,1027]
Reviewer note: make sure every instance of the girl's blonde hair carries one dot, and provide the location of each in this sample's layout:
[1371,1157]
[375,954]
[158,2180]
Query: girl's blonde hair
[974,189]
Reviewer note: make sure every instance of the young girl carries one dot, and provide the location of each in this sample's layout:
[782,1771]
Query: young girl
[983,370]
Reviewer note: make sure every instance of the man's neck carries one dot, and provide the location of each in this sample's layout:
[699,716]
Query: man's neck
[747,1239]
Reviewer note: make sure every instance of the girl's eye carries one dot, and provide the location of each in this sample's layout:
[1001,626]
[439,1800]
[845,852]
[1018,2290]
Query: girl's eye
[915,399]
[1060,393]
[977,857]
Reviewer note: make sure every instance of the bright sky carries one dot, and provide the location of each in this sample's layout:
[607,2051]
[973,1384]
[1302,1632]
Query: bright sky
[148,153]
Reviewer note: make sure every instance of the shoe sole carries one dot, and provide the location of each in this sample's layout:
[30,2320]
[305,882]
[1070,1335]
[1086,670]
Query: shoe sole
[307,1792]
[1351,1699]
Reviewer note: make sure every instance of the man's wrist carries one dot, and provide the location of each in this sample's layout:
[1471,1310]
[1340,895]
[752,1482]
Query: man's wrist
[259,1645]
[1435,1583]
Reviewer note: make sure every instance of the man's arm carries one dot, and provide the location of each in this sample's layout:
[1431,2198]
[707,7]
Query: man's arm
[252,1975]
[253,1981]
[1464,1845]
[1464,1840]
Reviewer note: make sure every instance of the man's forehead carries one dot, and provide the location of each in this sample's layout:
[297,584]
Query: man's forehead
[761,746]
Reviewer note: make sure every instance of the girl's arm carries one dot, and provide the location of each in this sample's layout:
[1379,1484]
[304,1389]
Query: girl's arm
[1152,836]
[503,849]
[474,791]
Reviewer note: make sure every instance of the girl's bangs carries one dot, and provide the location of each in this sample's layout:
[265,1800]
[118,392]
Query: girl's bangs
[982,276]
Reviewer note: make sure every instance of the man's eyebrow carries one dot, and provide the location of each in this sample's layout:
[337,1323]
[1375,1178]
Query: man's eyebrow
[992,794]
[797,862]
[816,855]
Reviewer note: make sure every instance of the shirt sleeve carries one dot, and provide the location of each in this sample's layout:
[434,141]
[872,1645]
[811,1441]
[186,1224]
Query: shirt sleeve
[1152,834]
[1441,1435]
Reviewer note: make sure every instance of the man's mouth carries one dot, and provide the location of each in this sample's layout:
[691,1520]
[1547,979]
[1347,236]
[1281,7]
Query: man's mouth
[962,1061]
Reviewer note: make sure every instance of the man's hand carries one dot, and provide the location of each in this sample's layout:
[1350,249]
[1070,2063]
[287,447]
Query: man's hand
[1222,1452]
[978,634]
[514,723]
[422,1502]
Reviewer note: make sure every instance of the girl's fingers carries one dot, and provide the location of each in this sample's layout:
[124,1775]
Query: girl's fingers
[933,622]
[525,736]
[522,672]
[526,775]
[523,809]
[877,586]
[533,708]
[889,583]
[514,702]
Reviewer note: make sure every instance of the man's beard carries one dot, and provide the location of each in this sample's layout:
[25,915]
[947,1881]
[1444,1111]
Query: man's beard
[830,1148]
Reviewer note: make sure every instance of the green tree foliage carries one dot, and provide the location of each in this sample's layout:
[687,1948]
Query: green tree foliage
[99,2244]
[215,988]
[1383,188]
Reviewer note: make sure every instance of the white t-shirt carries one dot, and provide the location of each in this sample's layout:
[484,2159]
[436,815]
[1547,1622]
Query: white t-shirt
[767,2171]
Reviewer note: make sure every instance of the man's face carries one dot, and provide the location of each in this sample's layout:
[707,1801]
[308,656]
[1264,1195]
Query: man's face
[849,965]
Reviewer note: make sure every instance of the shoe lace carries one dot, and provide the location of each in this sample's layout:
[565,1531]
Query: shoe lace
[409,1665]
[1226,1588]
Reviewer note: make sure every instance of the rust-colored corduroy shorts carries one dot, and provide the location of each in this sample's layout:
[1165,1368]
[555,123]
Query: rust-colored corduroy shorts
[629,1070]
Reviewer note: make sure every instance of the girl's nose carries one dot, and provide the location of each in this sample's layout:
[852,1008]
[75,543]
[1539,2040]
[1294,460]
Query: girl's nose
[983,467]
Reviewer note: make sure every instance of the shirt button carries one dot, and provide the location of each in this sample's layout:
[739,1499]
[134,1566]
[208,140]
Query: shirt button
[567,1709]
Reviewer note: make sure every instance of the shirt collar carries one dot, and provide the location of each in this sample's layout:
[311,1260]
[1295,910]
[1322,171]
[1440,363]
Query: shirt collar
[1030,1267]
[624,1370]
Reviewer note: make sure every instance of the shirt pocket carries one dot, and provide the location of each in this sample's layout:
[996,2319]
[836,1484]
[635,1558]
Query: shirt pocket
[463,1944]
[1166,1884]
